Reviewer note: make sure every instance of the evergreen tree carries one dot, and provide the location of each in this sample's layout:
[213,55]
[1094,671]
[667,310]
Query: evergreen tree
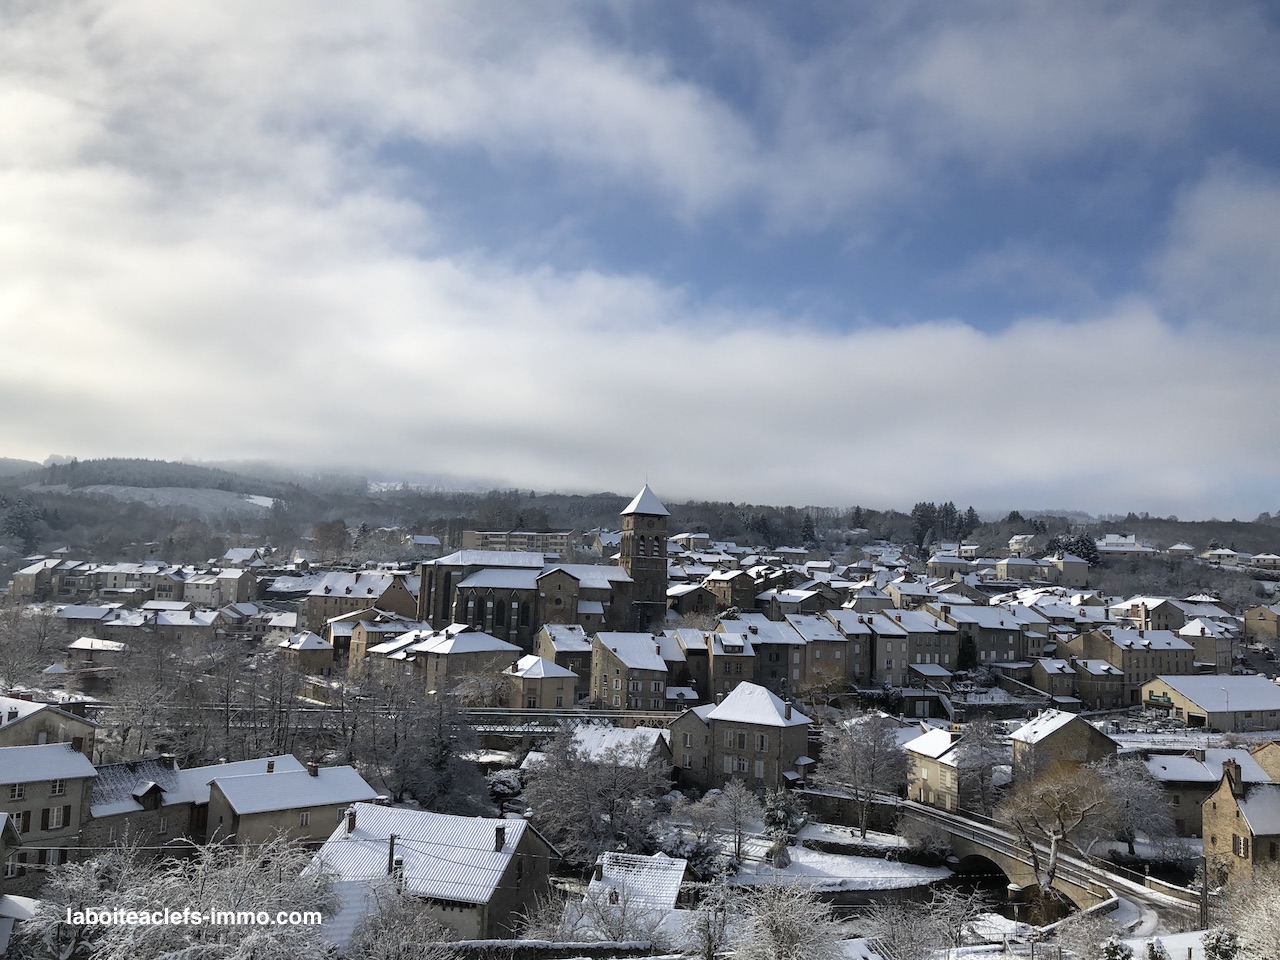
[1221,944]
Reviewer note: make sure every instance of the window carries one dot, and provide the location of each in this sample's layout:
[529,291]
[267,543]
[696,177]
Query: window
[687,740]
[740,765]
[57,788]
[57,818]
[655,686]
[617,685]
[762,741]
[686,761]
[162,826]
[17,791]
[759,769]
[304,818]
[633,686]
[742,741]
[11,866]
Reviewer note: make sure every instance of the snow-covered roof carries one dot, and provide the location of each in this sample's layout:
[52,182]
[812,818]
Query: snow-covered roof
[934,744]
[286,790]
[1189,768]
[503,578]
[118,786]
[195,781]
[464,641]
[753,704]
[1261,808]
[445,857]
[305,641]
[568,638]
[594,742]
[651,883]
[1220,694]
[646,504]
[1148,640]
[45,761]
[637,651]
[1035,730]
[538,668]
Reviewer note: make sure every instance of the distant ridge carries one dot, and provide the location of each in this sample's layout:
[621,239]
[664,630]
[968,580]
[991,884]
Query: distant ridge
[10,467]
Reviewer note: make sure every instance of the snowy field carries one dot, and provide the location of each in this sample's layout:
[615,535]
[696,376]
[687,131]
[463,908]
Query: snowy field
[832,871]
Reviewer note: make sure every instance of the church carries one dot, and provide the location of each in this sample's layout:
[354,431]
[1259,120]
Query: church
[511,595]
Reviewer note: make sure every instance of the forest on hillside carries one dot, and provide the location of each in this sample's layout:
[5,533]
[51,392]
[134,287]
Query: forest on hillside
[49,508]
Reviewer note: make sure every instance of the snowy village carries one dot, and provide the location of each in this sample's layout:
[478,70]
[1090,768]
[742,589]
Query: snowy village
[640,741]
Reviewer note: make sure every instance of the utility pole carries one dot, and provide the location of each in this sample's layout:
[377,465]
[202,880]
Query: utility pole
[1204,894]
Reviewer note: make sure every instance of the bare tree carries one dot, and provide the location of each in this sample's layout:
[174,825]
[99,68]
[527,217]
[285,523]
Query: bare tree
[911,931]
[615,916]
[1254,908]
[735,809]
[399,928]
[589,803]
[1141,804]
[860,754]
[983,746]
[786,922]
[246,879]
[1083,934]
[707,929]
[1065,807]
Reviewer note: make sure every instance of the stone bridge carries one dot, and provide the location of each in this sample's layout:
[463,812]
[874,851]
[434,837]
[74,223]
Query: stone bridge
[1085,884]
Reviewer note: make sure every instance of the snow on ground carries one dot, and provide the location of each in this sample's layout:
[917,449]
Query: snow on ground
[1181,946]
[837,833]
[831,871]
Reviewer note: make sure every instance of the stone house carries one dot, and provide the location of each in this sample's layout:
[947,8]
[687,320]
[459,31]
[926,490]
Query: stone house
[534,683]
[628,672]
[302,805]
[1140,654]
[45,789]
[934,778]
[1055,738]
[1241,824]
[1190,777]
[476,875]
[338,593]
[1216,702]
[751,735]
[25,722]
[307,652]
[1262,623]
[567,645]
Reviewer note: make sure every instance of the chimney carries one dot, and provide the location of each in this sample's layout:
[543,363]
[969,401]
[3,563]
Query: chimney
[515,666]
[499,837]
[271,766]
[351,819]
[12,715]
[313,768]
[598,873]
[786,710]
[1231,770]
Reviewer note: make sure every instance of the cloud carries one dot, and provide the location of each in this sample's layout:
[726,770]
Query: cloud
[1220,266]
[220,240]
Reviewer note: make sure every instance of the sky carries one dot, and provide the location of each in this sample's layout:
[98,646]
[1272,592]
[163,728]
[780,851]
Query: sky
[1010,254]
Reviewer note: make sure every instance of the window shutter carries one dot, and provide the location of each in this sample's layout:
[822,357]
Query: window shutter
[44,819]
[728,764]
[26,821]
[66,815]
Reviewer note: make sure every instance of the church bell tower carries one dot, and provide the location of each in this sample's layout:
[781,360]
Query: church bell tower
[644,557]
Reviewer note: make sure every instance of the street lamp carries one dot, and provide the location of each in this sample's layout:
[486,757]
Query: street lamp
[1231,718]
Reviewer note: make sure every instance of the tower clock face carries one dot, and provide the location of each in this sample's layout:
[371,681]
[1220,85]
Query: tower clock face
[649,524]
